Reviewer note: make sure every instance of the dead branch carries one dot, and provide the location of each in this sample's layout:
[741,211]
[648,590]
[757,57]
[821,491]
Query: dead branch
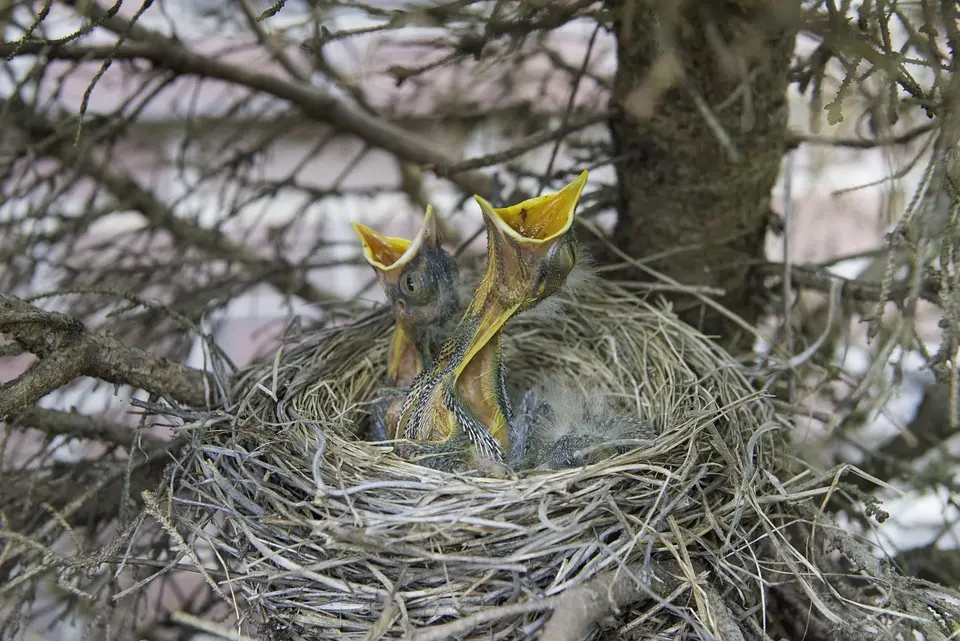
[67,350]
[929,429]
[71,424]
[795,139]
[579,609]
[530,143]
[83,493]
[819,279]
[930,563]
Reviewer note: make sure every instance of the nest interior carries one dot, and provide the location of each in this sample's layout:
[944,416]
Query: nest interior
[707,532]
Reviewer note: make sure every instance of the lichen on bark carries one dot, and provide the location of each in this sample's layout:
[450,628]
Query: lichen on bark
[699,134]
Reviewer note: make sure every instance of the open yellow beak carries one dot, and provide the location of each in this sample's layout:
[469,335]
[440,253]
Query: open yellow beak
[534,225]
[388,253]
[539,220]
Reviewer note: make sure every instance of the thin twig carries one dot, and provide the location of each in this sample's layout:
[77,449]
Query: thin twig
[314,102]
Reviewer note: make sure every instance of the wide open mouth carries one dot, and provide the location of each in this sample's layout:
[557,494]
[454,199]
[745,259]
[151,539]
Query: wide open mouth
[541,219]
[389,253]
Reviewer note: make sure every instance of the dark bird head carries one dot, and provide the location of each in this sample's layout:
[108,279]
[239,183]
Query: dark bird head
[418,277]
[420,282]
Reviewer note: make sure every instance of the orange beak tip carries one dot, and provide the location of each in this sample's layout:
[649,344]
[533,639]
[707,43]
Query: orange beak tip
[360,230]
[382,252]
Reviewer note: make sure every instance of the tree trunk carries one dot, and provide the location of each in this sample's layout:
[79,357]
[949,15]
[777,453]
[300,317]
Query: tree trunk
[690,74]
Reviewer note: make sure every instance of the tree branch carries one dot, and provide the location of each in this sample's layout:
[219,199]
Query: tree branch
[315,103]
[44,376]
[795,139]
[85,493]
[819,279]
[531,142]
[929,429]
[579,609]
[125,189]
[67,349]
[930,563]
[57,423]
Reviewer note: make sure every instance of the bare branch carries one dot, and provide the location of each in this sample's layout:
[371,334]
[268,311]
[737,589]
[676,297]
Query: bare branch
[930,563]
[529,143]
[83,493]
[315,103]
[819,279]
[795,139]
[579,609]
[125,189]
[67,349]
[929,429]
[48,374]
[57,423]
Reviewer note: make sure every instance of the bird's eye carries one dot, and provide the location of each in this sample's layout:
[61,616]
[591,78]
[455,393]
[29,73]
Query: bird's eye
[410,285]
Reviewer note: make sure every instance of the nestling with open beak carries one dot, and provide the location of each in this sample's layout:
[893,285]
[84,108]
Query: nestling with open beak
[458,410]
[419,279]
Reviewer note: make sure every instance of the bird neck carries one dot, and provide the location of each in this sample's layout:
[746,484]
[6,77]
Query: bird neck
[479,387]
[469,365]
[404,360]
[477,375]
[487,315]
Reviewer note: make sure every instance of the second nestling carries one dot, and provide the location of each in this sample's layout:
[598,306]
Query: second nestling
[419,280]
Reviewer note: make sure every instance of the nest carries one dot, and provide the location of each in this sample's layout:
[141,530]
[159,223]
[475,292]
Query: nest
[704,533]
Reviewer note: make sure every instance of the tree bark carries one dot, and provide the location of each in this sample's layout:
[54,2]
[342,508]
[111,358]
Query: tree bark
[699,133]
[68,350]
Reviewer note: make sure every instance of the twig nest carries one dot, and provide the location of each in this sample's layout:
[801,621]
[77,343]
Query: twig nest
[700,534]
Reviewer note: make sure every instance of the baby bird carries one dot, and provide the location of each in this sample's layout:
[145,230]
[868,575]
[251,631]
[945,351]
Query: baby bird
[561,426]
[457,412]
[419,279]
